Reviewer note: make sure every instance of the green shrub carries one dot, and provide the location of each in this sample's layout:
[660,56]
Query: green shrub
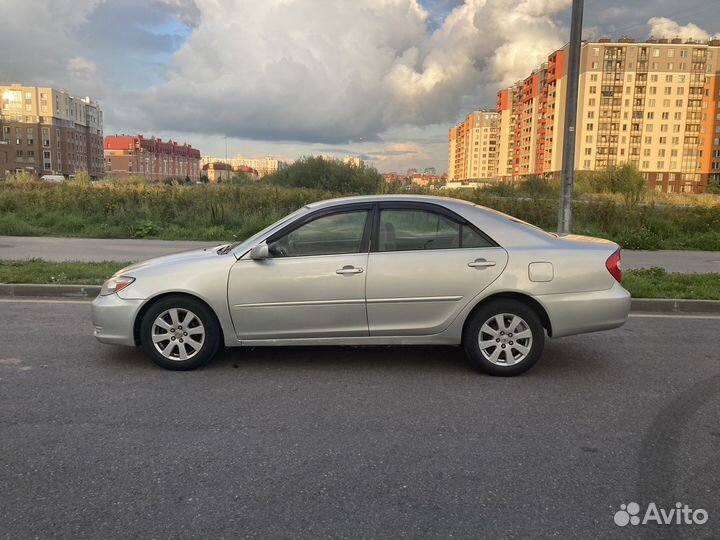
[638,239]
[316,172]
[143,229]
[81,177]
[537,186]
[21,178]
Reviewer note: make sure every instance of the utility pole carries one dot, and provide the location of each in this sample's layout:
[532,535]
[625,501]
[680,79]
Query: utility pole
[570,131]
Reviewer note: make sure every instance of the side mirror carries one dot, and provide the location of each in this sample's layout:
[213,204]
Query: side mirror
[260,252]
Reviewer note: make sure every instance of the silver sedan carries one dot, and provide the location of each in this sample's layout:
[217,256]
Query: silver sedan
[376,270]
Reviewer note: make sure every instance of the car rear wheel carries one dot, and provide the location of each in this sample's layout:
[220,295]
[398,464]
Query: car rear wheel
[504,337]
[179,333]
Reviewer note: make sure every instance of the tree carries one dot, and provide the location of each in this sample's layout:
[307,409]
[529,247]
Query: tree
[627,181]
[328,174]
[713,189]
[81,177]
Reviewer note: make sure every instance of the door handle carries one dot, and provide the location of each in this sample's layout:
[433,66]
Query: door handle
[349,270]
[481,263]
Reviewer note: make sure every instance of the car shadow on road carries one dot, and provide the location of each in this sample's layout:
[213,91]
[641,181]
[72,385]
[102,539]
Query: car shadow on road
[563,357]
[333,358]
[559,357]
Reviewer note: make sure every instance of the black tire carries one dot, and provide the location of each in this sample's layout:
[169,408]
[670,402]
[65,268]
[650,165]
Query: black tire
[184,304]
[530,321]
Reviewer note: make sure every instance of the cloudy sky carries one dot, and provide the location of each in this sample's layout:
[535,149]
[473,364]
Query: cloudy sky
[383,79]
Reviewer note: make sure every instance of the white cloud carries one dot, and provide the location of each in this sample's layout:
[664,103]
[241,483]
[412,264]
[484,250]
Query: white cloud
[39,35]
[338,71]
[662,27]
[186,10]
[82,69]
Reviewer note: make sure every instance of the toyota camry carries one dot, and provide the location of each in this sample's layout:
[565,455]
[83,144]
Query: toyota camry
[374,270]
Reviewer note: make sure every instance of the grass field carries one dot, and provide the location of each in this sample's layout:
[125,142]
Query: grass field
[657,283]
[234,212]
[642,283]
[40,271]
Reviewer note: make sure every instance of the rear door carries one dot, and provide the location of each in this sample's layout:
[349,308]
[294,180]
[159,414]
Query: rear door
[425,264]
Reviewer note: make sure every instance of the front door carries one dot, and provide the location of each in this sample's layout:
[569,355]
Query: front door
[313,285]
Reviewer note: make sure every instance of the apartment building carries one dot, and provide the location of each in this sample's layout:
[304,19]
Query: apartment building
[49,131]
[353,161]
[473,147]
[263,166]
[220,171]
[654,105]
[152,158]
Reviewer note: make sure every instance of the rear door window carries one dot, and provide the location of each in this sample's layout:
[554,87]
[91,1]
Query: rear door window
[410,229]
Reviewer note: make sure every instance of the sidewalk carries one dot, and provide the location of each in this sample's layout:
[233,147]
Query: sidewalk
[94,249]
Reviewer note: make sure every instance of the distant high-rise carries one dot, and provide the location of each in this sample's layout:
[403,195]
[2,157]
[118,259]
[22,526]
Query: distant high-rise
[49,131]
[263,166]
[473,147]
[353,161]
[653,105]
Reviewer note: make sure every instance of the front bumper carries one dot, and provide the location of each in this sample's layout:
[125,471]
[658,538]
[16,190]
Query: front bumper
[113,319]
[578,313]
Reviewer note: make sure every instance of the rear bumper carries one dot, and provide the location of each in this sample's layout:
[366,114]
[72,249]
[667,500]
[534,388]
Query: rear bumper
[578,313]
[113,319]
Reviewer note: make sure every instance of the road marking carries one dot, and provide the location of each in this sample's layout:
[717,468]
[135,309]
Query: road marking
[42,301]
[671,316]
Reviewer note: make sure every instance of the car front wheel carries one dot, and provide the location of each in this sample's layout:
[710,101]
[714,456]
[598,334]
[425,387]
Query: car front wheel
[179,333]
[504,337]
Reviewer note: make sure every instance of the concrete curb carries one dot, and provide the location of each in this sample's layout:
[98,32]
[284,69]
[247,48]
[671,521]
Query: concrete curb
[670,305]
[42,290]
[88,292]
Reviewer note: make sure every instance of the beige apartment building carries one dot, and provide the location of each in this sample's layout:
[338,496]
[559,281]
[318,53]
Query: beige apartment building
[473,147]
[263,166]
[44,130]
[654,105]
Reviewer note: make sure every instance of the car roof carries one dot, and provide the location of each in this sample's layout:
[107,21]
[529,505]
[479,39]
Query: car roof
[444,201]
[503,228]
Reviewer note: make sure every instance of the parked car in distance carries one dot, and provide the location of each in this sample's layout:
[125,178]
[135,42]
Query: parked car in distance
[52,178]
[373,270]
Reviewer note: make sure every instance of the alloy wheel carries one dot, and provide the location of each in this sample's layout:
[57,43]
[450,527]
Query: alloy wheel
[178,334]
[505,339]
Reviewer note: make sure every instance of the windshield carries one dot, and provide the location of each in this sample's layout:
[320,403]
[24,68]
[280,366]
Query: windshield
[260,234]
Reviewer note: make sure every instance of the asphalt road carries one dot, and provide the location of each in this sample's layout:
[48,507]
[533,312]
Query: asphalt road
[96,442]
[90,249]
[94,249]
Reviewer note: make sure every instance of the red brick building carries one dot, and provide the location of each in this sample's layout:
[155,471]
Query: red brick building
[152,158]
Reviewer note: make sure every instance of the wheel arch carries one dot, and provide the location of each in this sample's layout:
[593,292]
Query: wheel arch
[528,300]
[152,301]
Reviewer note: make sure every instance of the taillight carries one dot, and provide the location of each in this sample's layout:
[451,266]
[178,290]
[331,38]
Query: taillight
[613,266]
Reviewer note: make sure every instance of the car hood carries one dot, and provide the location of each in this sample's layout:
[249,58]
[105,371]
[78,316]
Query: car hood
[174,259]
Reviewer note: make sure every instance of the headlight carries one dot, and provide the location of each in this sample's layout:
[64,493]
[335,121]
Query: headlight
[115,284]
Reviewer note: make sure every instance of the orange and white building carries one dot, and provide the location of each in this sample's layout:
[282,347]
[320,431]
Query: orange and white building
[473,147]
[654,105]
